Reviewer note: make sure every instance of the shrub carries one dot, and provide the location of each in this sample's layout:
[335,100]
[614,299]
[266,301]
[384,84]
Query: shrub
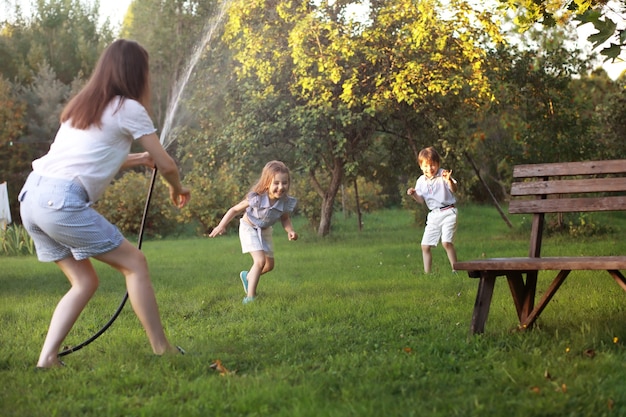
[16,241]
[124,201]
[211,197]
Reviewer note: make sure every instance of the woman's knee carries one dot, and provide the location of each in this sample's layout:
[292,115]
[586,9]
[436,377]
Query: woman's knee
[127,259]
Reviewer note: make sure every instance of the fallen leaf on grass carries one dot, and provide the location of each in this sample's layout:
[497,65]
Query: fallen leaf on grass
[590,353]
[407,350]
[535,389]
[217,365]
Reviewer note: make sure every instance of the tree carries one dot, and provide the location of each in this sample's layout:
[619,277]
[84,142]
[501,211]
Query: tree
[63,33]
[14,156]
[169,30]
[542,112]
[340,78]
[602,14]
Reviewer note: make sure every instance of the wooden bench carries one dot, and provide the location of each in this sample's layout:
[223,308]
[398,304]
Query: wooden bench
[538,189]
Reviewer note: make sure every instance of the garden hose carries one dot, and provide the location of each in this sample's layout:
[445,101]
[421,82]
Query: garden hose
[123,302]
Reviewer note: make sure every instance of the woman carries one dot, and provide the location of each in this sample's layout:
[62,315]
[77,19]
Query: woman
[97,129]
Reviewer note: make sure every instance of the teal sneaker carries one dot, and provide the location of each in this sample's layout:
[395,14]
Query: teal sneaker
[243,275]
[247,300]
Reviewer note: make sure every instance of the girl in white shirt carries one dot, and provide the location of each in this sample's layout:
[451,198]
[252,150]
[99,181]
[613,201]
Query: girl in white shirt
[97,129]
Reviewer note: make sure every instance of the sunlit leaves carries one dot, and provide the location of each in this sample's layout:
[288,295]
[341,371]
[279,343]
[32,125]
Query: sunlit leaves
[551,12]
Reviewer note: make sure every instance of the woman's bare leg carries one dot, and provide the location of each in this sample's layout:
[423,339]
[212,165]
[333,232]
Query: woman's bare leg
[84,281]
[131,262]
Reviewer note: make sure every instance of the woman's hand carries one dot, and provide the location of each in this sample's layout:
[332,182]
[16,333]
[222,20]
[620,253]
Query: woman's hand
[180,198]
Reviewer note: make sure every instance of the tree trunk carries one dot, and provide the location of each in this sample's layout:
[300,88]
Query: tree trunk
[328,197]
[358,205]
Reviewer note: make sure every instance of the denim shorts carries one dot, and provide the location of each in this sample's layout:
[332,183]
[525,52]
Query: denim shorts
[255,239]
[58,216]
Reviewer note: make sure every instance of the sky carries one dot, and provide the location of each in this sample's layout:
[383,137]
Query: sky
[115,10]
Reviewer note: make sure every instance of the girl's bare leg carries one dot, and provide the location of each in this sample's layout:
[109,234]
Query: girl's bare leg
[261,264]
[131,262]
[84,281]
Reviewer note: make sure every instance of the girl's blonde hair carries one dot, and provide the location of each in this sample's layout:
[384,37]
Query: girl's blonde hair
[267,176]
[122,70]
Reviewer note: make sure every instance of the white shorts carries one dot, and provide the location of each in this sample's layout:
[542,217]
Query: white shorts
[440,224]
[255,239]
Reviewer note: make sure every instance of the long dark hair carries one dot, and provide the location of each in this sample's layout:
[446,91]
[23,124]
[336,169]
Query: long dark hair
[122,70]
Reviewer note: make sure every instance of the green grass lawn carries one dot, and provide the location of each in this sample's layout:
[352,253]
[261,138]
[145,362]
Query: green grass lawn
[347,325]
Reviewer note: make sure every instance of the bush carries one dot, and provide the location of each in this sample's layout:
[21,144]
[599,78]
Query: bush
[211,197]
[16,241]
[571,224]
[371,198]
[124,201]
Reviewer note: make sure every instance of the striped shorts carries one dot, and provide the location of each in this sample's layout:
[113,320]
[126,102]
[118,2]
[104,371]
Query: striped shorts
[58,216]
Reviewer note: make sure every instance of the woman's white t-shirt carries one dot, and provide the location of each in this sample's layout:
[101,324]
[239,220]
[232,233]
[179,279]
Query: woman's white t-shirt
[93,156]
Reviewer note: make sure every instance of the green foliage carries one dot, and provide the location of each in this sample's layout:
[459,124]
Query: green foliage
[169,30]
[405,71]
[574,225]
[601,14]
[584,225]
[124,201]
[16,241]
[370,194]
[45,97]
[63,33]
[211,197]
[15,156]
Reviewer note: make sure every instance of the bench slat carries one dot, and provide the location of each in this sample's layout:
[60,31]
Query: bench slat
[590,185]
[568,205]
[594,263]
[570,168]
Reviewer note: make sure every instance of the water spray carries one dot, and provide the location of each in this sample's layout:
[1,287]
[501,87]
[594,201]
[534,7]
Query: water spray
[171,112]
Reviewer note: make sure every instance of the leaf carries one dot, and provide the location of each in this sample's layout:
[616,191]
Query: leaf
[611,52]
[217,365]
[590,353]
[606,29]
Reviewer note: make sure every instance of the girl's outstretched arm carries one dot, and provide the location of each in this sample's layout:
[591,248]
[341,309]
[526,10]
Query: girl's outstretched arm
[285,219]
[232,212]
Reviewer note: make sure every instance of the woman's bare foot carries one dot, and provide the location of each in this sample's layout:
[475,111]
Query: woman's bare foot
[48,364]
